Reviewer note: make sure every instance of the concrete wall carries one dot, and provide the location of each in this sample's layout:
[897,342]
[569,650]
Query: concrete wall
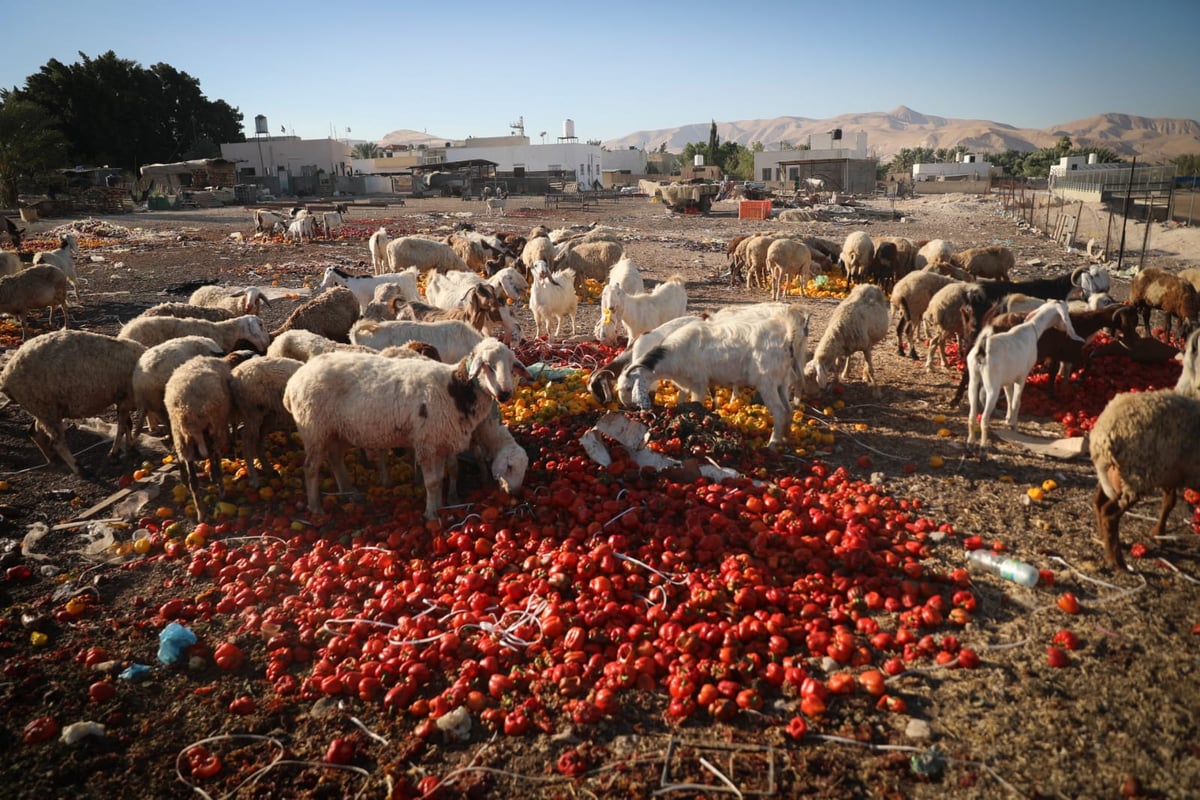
[950,187]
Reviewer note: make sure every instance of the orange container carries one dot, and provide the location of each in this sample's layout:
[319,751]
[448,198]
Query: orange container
[754,209]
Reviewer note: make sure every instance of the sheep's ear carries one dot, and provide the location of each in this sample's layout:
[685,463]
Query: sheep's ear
[263,299]
[522,370]
[239,293]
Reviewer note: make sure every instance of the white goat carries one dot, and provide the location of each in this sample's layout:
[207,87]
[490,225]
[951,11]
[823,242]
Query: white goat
[1003,361]
[302,228]
[364,286]
[450,289]
[331,222]
[639,313]
[64,259]
[378,245]
[552,297]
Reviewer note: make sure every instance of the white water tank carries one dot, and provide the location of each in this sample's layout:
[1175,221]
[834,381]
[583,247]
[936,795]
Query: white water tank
[698,160]
[1091,158]
[568,129]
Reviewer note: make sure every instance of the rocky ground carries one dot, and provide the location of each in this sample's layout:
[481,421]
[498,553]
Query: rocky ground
[1119,718]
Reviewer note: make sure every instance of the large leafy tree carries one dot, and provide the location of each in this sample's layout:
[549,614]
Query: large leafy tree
[30,147]
[365,150]
[1188,165]
[114,111]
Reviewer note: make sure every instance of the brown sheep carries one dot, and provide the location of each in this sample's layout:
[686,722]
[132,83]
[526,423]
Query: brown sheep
[331,314]
[994,261]
[1156,288]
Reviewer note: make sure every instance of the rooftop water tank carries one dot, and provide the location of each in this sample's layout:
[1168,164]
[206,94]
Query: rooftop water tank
[260,124]
[568,129]
[698,160]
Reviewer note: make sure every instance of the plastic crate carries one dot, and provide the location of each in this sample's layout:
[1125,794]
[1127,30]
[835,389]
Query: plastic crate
[754,209]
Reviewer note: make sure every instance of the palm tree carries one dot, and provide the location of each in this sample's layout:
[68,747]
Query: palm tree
[365,150]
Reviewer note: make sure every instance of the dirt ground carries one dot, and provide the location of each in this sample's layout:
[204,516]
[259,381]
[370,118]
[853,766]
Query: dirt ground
[1119,720]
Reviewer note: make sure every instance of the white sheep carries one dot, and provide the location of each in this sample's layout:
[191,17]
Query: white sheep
[537,248]
[256,386]
[1144,441]
[200,407]
[424,254]
[552,297]
[378,246]
[453,338]
[343,400]
[910,297]
[765,353]
[639,313]
[364,286]
[493,443]
[69,375]
[36,288]
[154,369]
[944,318]
[858,323]
[301,345]
[150,331]
[1003,360]
[751,256]
[1192,276]
[788,259]
[248,300]
[64,259]
[188,311]
[935,251]
[858,252]
[591,259]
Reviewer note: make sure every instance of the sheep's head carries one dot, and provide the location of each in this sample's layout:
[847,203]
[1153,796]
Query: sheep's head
[251,329]
[508,468]
[493,366]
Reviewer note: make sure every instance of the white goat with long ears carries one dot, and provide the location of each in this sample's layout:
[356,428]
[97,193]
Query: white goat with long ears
[378,246]
[1003,361]
[64,259]
[639,313]
[552,297]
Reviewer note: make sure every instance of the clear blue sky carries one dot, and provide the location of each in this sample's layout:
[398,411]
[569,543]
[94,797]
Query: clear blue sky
[470,68]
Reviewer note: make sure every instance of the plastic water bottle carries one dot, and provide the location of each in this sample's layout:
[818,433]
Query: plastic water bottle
[1007,568]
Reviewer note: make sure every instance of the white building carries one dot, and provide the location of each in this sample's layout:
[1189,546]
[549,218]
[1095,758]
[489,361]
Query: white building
[842,163]
[968,166]
[283,162]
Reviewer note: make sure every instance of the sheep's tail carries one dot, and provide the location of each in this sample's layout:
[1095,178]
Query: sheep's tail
[677,278]
[981,345]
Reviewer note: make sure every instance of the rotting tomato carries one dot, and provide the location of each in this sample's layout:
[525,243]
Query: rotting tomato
[1068,603]
[202,762]
[39,729]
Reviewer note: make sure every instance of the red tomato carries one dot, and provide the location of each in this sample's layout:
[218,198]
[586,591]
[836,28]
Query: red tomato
[242,706]
[872,682]
[228,656]
[516,723]
[202,763]
[40,729]
[101,691]
[968,658]
[797,728]
[1068,603]
[1066,640]
[341,751]
[1057,658]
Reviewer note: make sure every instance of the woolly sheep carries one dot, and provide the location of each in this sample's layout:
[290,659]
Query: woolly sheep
[476,249]
[494,443]
[10,263]
[377,244]
[894,258]
[552,297]
[36,288]
[1003,361]
[753,258]
[590,260]
[70,375]
[1144,441]
[935,251]
[248,300]
[911,296]
[788,259]
[424,254]
[944,318]
[858,323]
[1192,276]
[538,248]
[454,339]
[639,313]
[256,387]
[154,369]
[857,254]
[301,345]
[994,261]
[200,407]
[1155,288]
[342,400]
[64,259]
[330,313]
[761,352]
[150,331]
[188,311]
[364,286]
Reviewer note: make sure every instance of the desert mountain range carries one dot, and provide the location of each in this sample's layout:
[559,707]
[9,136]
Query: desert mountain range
[1153,140]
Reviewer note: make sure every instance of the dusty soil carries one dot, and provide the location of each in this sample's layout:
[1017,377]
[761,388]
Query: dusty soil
[1121,718]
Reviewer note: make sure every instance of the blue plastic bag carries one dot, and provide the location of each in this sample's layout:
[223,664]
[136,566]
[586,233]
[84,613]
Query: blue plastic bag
[172,641]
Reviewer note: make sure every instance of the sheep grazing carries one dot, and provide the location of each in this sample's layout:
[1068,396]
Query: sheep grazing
[552,297]
[150,331]
[266,220]
[950,313]
[788,259]
[493,442]
[752,256]
[342,400]
[154,369]
[69,375]
[302,228]
[1003,361]
[590,260]
[858,323]
[331,223]
[911,296]
[64,259]
[481,308]
[301,345]
[452,338]
[537,248]
[331,314]
[377,244]
[603,380]
[200,407]
[256,386]
[1144,441]
[994,261]
[188,311]
[36,288]
[364,286]
[1154,288]
[639,313]
[1192,276]
[249,300]
[424,254]
[933,252]
[858,252]
[763,352]
[894,258]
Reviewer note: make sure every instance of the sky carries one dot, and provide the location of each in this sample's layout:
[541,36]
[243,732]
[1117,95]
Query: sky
[473,68]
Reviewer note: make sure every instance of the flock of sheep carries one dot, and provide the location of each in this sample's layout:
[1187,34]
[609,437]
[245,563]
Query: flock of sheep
[371,362]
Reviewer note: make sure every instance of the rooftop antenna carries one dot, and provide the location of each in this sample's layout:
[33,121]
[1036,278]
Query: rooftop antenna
[518,127]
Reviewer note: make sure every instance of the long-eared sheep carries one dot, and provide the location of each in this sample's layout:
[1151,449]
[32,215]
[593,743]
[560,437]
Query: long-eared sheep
[342,400]
[752,254]
[150,331]
[301,345]
[552,297]
[1154,288]
[494,443]
[38,287]
[154,369]
[188,311]
[424,254]
[256,386]
[200,407]
[454,339]
[377,244]
[248,300]
[910,297]
[639,313]
[858,252]
[330,313]
[1002,361]
[993,261]
[68,375]
[858,323]
[590,260]
[64,259]
[788,259]
[1144,441]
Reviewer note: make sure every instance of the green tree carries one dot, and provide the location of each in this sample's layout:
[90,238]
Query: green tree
[713,141]
[1188,165]
[365,150]
[114,111]
[31,146]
